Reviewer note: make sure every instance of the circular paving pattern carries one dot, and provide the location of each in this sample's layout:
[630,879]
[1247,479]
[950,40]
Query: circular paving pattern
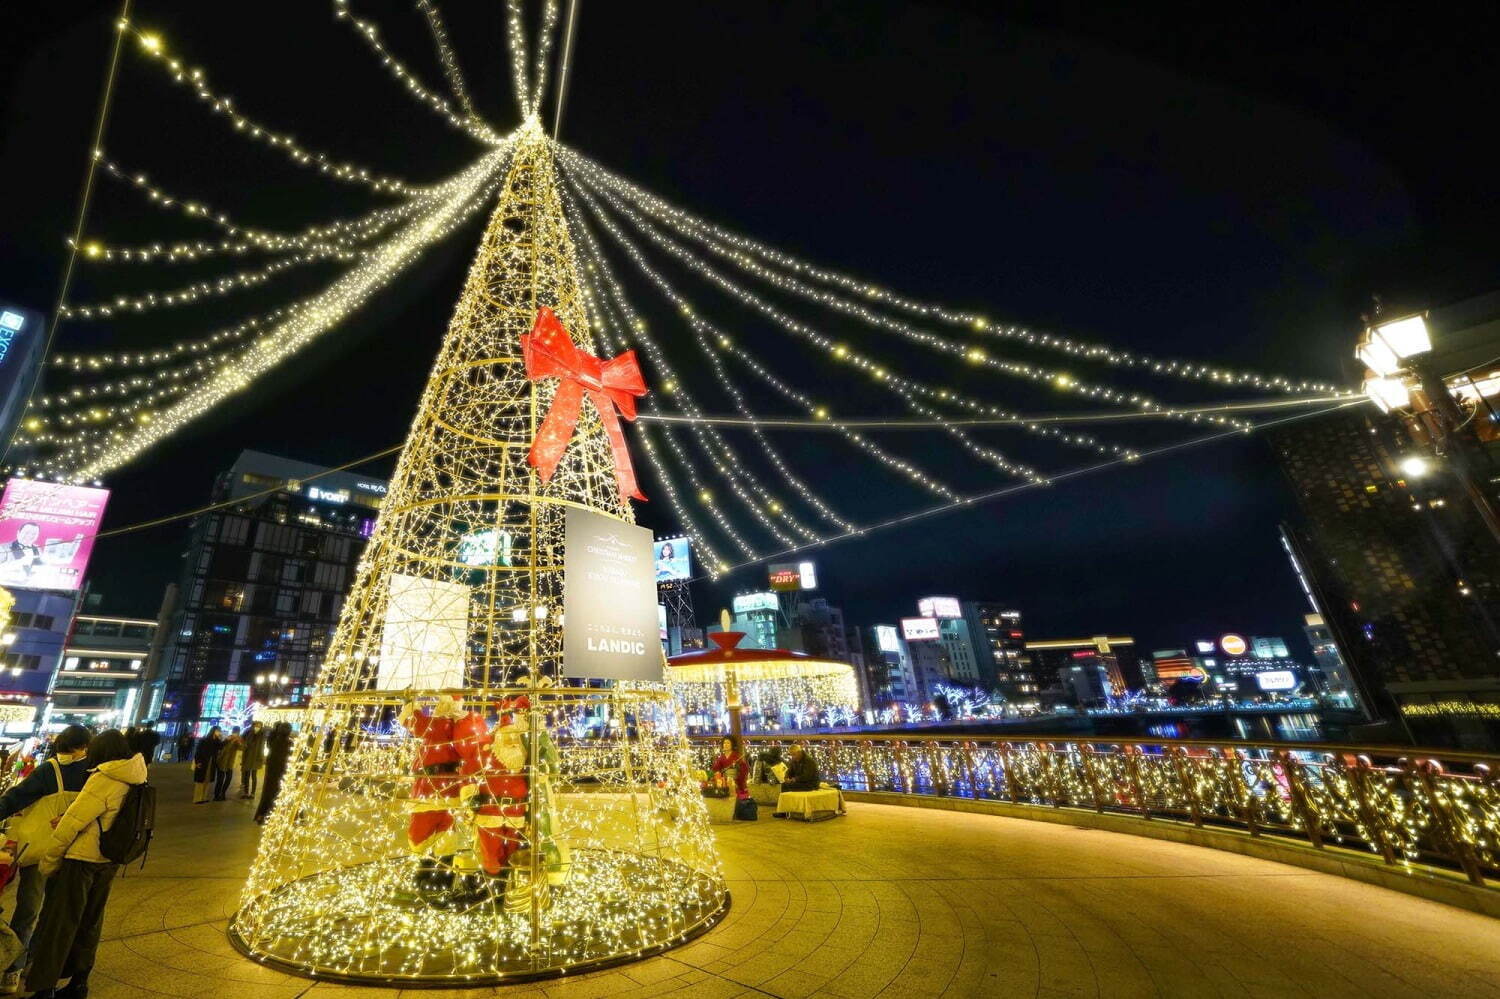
[892,902]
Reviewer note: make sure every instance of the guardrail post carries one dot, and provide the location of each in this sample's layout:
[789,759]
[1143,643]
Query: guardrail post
[1310,823]
[1360,777]
[1244,793]
[1049,773]
[1189,786]
[1133,768]
[1009,770]
[966,761]
[864,765]
[941,786]
[1086,756]
[898,758]
[1445,821]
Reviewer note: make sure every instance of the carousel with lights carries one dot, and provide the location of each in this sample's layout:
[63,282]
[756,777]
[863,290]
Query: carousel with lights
[462,806]
[728,688]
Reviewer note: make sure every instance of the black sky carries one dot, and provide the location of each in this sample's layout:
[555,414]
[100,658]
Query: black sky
[1230,188]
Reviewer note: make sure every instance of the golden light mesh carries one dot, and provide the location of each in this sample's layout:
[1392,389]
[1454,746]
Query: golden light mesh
[459,594]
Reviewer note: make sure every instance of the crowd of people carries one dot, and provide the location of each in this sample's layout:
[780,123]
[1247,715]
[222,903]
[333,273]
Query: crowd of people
[62,799]
[57,817]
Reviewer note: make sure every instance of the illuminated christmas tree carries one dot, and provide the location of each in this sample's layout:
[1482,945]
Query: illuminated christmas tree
[457,809]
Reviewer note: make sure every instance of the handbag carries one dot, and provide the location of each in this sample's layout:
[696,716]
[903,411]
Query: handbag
[745,810]
[33,826]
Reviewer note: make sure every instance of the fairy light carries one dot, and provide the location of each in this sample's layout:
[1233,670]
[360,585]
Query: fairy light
[192,294]
[515,43]
[467,122]
[316,315]
[764,505]
[899,465]
[447,57]
[369,869]
[754,256]
[196,80]
[170,352]
[1016,369]
[543,53]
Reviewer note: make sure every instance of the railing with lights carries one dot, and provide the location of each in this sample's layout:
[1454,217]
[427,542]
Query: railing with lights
[1405,806]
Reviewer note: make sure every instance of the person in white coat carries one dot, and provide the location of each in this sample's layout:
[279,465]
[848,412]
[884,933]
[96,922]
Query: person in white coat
[79,875]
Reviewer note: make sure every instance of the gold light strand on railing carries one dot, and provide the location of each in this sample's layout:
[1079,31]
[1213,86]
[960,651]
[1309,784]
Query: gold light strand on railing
[194,78]
[760,258]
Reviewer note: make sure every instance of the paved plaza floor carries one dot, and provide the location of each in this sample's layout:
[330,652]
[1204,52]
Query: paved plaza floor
[891,902]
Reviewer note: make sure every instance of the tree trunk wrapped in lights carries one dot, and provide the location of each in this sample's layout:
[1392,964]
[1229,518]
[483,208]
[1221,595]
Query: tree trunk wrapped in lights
[457,811]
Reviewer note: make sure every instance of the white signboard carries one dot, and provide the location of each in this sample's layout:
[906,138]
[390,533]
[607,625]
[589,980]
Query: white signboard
[920,629]
[426,631]
[609,599]
[939,607]
[1277,679]
[885,638]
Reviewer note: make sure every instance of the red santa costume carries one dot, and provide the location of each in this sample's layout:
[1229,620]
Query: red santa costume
[501,794]
[435,789]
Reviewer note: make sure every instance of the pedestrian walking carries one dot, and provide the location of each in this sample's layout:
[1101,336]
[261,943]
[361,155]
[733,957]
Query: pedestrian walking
[67,934]
[278,752]
[36,803]
[204,760]
[227,760]
[254,759]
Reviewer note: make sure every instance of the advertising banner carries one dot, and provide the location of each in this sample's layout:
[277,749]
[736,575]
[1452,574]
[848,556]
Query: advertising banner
[885,638]
[609,599]
[47,533]
[787,577]
[920,629]
[425,636]
[672,559]
[939,607]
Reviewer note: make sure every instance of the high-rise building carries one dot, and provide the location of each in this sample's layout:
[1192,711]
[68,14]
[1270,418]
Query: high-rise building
[1114,654]
[1000,651]
[37,632]
[103,666]
[758,615]
[816,627]
[890,678]
[262,584]
[1394,555]
[1333,672]
[22,340]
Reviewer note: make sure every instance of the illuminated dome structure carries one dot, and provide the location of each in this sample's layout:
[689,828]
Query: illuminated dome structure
[444,820]
[771,689]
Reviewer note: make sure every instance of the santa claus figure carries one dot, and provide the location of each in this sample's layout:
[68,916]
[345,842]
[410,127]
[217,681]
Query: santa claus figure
[499,797]
[436,786]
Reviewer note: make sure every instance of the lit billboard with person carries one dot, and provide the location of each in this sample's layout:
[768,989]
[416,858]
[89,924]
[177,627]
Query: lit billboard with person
[47,533]
[672,560]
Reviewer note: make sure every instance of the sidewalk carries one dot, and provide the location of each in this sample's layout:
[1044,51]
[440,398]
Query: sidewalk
[898,902]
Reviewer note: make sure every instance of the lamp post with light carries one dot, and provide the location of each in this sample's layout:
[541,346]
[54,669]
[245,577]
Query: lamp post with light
[1400,382]
[273,682]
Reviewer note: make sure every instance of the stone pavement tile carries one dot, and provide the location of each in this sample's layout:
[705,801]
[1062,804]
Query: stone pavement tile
[794,984]
[753,970]
[657,969]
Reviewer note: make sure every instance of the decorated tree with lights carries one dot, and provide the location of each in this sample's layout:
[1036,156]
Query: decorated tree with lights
[441,821]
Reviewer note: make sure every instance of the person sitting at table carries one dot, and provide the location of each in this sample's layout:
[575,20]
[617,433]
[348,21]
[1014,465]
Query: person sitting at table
[732,757]
[802,772]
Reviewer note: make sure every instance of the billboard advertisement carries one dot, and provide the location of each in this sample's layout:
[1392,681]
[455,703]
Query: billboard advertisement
[746,603]
[885,638]
[791,576]
[609,599]
[939,607]
[920,629]
[1233,645]
[47,533]
[1277,679]
[671,558]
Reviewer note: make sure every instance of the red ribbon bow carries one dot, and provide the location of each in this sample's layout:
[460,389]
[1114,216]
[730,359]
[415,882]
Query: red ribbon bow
[549,352]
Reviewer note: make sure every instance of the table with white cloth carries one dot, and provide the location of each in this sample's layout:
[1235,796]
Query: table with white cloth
[811,806]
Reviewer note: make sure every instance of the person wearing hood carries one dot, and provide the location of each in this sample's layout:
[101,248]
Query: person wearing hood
[80,876]
[36,803]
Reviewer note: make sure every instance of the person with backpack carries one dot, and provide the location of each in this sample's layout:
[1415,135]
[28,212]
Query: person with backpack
[204,761]
[81,862]
[254,759]
[228,758]
[31,807]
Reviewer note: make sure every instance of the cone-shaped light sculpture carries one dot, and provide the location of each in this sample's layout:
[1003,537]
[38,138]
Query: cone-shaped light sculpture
[456,810]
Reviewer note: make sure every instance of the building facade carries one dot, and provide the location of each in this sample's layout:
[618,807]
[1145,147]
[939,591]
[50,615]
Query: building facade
[1000,651]
[262,584]
[33,644]
[102,673]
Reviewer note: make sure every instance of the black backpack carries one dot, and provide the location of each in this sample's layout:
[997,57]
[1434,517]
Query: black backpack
[129,836]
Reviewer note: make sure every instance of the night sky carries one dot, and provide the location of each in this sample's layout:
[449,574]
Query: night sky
[1230,190]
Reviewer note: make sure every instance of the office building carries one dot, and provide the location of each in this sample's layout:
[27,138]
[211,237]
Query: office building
[262,584]
[103,667]
[1114,654]
[1395,557]
[1000,651]
[33,647]
[1332,673]
[23,338]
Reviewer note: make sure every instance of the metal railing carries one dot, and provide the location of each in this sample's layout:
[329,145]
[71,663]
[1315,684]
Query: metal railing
[1407,806]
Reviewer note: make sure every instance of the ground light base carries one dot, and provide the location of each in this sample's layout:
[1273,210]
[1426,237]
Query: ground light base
[329,925]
